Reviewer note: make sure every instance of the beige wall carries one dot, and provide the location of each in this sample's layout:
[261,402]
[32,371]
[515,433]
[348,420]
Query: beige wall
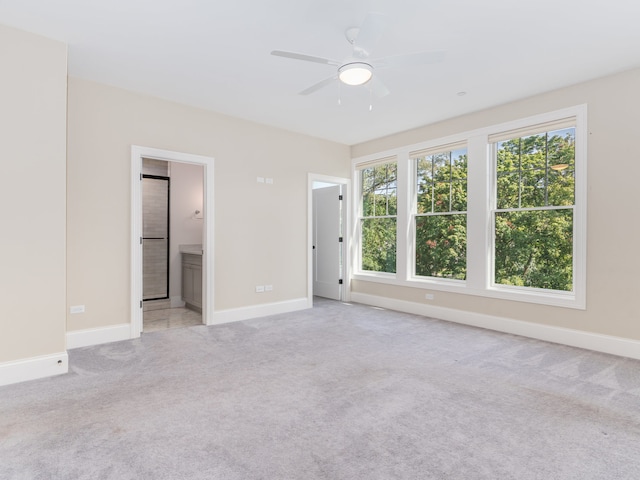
[613,260]
[260,230]
[32,195]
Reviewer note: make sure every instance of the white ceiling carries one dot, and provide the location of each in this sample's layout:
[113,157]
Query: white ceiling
[215,54]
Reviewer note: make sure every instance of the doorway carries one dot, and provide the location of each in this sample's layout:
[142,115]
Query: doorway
[171,240]
[198,219]
[328,238]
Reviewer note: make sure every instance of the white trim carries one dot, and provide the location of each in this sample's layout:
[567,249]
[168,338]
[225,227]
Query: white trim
[479,216]
[263,310]
[524,294]
[404,226]
[34,368]
[580,211]
[619,346]
[577,297]
[346,248]
[97,336]
[136,248]
[137,154]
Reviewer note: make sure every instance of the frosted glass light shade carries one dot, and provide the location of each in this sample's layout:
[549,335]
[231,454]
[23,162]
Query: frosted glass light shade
[357,73]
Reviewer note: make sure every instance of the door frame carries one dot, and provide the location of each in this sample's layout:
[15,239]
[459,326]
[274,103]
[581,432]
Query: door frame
[346,249]
[137,154]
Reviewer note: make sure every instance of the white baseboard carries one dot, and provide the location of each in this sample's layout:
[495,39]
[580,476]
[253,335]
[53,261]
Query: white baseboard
[622,347]
[97,336]
[116,333]
[33,368]
[255,311]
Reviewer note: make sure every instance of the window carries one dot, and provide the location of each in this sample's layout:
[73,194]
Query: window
[379,206]
[533,218]
[440,219]
[498,212]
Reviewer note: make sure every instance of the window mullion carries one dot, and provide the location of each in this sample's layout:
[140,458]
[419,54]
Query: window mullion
[480,192]
[404,237]
[520,173]
[450,181]
[546,169]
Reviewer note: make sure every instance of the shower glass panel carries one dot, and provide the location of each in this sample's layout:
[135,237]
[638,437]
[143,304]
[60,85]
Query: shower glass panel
[155,237]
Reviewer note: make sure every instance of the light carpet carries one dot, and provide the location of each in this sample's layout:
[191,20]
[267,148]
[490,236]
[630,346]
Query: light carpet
[335,392]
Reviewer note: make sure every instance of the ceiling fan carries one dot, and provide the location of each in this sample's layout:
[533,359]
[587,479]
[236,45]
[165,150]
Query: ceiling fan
[358,69]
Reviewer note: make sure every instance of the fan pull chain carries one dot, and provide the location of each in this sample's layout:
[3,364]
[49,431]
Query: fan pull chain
[370,99]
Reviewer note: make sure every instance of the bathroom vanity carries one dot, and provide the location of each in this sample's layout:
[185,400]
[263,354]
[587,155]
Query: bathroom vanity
[192,276]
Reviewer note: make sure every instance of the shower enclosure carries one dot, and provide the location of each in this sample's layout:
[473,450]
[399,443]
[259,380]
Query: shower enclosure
[155,237]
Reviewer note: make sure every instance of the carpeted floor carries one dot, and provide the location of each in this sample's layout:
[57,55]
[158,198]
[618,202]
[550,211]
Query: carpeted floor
[335,392]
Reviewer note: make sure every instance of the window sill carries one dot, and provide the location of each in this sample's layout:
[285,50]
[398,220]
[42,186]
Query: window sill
[516,294]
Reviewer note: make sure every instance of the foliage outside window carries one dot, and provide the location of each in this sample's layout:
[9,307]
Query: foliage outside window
[534,215]
[497,212]
[378,219]
[440,221]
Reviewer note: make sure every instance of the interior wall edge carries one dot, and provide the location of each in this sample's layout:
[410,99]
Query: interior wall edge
[619,346]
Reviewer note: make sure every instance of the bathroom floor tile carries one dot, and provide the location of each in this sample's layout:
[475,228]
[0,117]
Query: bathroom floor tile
[170,318]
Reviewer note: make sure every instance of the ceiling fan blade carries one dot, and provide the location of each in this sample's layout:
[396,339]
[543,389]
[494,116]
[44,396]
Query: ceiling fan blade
[319,85]
[369,34]
[306,58]
[378,88]
[410,59]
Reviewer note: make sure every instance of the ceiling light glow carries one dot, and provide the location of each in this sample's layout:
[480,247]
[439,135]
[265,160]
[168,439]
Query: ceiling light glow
[357,73]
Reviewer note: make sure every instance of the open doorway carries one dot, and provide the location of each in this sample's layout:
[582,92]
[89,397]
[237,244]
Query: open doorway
[171,246]
[172,232]
[328,238]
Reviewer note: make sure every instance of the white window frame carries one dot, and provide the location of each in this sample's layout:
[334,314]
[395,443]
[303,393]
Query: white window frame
[480,192]
[357,175]
[414,155]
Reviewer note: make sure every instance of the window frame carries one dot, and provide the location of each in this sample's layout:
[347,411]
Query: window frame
[496,209]
[415,156]
[480,228]
[359,217]
[541,123]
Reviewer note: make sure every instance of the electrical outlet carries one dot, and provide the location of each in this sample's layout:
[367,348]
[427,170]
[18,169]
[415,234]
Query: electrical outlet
[76,309]
[429,296]
[260,179]
[268,288]
[259,288]
[269,181]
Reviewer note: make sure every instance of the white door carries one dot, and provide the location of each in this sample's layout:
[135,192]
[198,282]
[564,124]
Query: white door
[327,242]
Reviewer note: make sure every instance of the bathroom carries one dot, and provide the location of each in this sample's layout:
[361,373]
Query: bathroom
[173,217]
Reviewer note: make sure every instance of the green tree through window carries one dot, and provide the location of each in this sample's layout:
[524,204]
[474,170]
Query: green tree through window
[378,220]
[440,221]
[535,196]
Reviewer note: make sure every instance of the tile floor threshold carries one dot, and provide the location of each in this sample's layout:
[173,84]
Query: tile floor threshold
[155,320]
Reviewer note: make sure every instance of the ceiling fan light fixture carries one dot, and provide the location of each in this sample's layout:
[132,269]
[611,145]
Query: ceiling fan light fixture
[356,73]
